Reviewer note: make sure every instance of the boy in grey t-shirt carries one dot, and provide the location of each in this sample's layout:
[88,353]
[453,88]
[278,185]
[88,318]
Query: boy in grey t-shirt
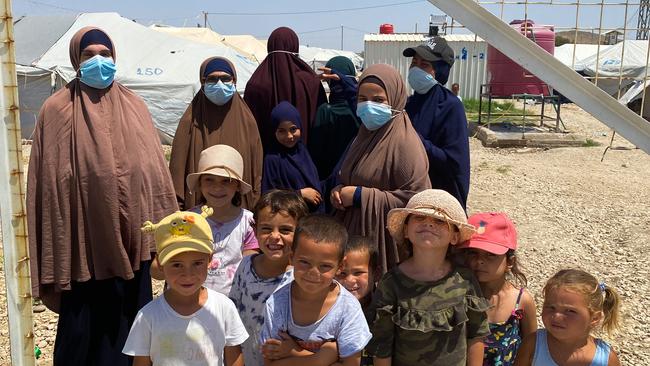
[314,315]
[258,276]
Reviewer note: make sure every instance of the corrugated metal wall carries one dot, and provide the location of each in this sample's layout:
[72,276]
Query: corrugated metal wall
[469,69]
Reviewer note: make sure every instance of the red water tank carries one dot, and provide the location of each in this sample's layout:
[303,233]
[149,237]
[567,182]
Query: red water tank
[505,76]
[386,29]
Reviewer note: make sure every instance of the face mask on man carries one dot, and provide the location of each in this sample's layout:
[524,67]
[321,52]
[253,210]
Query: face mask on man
[219,93]
[374,115]
[97,72]
[420,80]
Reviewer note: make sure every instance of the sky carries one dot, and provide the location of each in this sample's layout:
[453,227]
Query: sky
[320,23]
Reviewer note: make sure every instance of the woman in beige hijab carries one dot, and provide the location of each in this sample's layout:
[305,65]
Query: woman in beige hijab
[217,115]
[385,165]
[96,173]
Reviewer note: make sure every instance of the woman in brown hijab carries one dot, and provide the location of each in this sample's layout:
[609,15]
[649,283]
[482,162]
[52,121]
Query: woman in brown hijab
[96,173]
[283,76]
[385,165]
[217,115]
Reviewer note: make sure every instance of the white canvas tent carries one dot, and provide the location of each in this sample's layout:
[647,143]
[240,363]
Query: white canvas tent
[612,62]
[34,84]
[254,48]
[565,53]
[248,44]
[317,57]
[196,34]
[204,35]
[162,69]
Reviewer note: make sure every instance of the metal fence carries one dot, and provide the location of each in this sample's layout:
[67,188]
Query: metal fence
[606,41]
[469,69]
[618,29]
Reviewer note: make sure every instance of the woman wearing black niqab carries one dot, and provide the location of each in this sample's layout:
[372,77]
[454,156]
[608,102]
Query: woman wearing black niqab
[283,76]
[336,122]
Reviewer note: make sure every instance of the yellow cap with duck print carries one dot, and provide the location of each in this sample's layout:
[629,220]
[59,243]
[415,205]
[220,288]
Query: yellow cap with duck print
[182,231]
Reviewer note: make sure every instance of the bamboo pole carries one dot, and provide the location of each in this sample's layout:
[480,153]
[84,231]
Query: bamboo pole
[12,203]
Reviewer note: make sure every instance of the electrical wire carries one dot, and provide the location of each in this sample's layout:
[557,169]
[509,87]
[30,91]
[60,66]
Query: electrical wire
[54,6]
[316,11]
[319,30]
[356,29]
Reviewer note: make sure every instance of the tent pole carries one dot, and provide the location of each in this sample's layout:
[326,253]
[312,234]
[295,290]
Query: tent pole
[12,204]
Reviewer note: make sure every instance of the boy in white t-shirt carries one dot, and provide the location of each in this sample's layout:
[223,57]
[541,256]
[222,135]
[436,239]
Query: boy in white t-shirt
[188,324]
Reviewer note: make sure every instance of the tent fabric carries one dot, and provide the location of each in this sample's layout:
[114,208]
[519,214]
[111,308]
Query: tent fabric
[152,64]
[634,92]
[201,35]
[610,62]
[207,36]
[565,53]
[31,43]
[248,44]
[614,61]
[317,57]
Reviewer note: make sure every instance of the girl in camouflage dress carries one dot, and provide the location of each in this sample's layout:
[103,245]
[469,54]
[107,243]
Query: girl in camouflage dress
[428,311]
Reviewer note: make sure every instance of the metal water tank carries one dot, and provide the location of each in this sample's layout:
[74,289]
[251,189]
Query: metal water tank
[505,76]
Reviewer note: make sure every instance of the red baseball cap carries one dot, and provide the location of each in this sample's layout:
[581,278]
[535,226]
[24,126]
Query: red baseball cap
[495,233]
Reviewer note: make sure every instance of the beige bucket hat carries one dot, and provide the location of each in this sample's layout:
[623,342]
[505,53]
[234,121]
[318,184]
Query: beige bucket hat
[430,202]
[222,161]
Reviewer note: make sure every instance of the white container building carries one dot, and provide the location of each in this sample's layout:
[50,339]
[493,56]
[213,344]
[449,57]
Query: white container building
[470,51]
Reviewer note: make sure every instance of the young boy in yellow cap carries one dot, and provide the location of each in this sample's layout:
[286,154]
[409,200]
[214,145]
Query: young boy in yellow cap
[189,324]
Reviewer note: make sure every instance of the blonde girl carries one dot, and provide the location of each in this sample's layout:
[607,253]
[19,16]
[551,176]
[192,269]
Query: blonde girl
[575,306]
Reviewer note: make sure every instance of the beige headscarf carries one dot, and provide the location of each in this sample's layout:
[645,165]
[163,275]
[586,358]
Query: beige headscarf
[390,164]
[206,124]
[96,173]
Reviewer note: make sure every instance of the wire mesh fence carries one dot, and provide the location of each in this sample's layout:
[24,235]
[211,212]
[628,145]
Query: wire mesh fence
[606,41]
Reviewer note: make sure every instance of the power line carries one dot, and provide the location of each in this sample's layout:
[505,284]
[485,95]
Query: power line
[356,29]
[54,6]
[319,30]
[317,11]
[329,29]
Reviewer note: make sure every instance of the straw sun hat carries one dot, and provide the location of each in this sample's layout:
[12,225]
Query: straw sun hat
[222,161]
[434,203]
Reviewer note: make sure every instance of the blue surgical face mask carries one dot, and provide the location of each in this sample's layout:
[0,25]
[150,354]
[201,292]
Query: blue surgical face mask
[374,115]
[97,72]
[420,80]
[219,93]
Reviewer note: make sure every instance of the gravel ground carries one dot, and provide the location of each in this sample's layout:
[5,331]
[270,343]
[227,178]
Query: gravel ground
[571,210]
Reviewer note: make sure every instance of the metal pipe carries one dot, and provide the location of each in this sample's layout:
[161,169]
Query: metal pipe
[12,204]
[620,69]
[645,80]
[575,37]
[600,36]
